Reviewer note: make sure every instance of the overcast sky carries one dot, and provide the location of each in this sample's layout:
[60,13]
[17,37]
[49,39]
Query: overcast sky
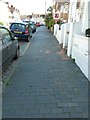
[31,6]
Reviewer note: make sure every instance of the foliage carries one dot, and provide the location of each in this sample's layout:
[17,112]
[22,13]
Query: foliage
[50,9]
[1,23]
[49,20]
[51,23]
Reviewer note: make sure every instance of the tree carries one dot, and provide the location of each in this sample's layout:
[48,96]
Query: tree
[50,9]
[49,18]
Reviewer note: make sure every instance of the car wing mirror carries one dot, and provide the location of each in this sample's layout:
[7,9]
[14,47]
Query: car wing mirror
[13,36]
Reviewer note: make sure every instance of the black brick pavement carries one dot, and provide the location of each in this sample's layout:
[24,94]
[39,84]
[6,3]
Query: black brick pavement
[46,84]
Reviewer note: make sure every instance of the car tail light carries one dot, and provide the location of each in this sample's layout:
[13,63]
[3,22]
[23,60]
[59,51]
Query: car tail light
[26,32]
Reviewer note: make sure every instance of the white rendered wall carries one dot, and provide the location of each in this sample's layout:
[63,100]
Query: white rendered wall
[56,27]
[89,14]
[62,33]
[81,53]
[66,34]
[75,28]
[72,11]
[89,39]
[58,36]
[85,17]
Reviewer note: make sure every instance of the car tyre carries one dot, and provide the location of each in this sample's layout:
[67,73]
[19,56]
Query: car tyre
[28,38]
[17,54]
[35,30]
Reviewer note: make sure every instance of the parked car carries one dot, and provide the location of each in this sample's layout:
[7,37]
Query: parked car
[9,47]
[37,24]
[87,32]
[21,30]
[32,25]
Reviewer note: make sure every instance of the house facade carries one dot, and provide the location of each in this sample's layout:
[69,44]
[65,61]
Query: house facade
[4,13]
[8,13]
[72,33]
[62,7]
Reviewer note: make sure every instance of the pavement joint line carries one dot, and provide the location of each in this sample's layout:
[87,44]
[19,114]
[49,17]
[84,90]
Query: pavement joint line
[25,49]
[8,78]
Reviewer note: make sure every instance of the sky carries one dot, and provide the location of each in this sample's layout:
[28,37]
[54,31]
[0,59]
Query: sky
[31,6]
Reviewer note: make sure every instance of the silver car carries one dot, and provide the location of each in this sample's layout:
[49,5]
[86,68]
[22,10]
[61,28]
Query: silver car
[9,48]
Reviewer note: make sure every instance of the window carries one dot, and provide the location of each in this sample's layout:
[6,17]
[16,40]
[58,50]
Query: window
[18,26]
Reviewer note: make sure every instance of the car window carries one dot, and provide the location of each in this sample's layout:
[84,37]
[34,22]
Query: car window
[0,35]
[5,35]
[0,38]
[18,26]
[27,26]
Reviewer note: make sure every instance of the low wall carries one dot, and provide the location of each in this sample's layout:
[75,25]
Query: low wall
[75,28]
[58,36]
[66,34]
[81,53]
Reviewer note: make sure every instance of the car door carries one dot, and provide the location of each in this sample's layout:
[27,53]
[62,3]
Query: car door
[9,44]
[4,48]
[0,53]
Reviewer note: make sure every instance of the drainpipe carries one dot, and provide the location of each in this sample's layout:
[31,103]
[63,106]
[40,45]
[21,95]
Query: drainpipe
[88,14]
[89,41]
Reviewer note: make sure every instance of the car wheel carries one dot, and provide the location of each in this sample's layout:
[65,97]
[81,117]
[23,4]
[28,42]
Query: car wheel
[28,38]
[35,30]
[17,53]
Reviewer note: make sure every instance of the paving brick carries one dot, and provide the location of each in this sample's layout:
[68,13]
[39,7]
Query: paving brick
[51,116]
[68,109]
[45,110]
[64,115]
[64,104]
[78,115]
[57,110]
[38,116]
